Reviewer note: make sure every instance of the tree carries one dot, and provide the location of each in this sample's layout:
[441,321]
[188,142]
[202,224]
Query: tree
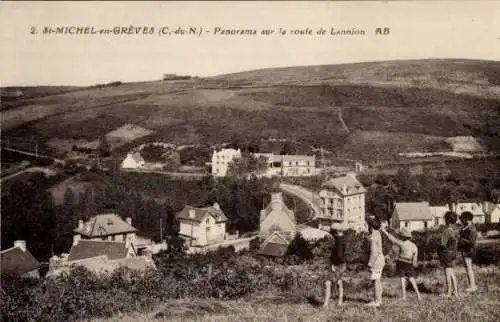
[246,164]
[104,148]
[288,148]
[299,248]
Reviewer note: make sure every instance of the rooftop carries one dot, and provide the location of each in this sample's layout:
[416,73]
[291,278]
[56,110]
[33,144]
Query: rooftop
[200,213]
[93,248]
[17,261]
[346,185]
[104,225]
[412,211]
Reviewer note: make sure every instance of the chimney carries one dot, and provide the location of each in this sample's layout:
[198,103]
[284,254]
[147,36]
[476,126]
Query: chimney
[192,213]
[453,207]
[80,224]
[129,221]
[76,239]
[20,244]
[344,188]
[276,201]
[216,206]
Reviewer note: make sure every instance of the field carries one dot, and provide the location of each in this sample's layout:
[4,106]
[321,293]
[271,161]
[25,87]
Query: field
[414,105]
[482,306]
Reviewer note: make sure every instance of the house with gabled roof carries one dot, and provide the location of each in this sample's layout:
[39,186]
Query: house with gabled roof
[18,261]
[276,217]
[109,227]
[202,226]
[133,161]
[412,215]
[275,245]
[342,200]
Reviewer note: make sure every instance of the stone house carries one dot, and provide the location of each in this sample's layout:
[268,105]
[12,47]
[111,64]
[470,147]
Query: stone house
[492,211]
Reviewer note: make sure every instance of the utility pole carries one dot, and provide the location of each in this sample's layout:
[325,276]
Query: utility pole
[161,230]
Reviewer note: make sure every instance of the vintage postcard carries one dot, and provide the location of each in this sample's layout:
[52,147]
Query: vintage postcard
[250,161]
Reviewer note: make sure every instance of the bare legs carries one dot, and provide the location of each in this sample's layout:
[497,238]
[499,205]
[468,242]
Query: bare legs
[328,288]
[470,275]
[451,282]
[378,291]
[413,283]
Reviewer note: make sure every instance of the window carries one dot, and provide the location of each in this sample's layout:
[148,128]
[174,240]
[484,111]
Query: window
[406,224]
[308,163]
[425,224]
[207,221]
[296,163]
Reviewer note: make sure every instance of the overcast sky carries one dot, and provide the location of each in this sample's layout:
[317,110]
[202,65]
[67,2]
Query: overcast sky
[445,29]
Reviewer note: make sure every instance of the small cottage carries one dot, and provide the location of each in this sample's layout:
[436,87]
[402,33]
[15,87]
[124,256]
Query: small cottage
[412,215]
[492,211]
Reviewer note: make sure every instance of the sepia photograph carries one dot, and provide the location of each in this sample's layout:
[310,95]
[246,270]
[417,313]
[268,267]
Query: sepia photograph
[250,161]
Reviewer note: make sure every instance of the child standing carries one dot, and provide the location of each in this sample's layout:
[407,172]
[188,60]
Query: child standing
[407,259]
[468,236]
[448,253]
[337,264]
[376,262]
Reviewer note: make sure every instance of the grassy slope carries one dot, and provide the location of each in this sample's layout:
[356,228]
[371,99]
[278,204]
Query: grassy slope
[482,306]
[432,98]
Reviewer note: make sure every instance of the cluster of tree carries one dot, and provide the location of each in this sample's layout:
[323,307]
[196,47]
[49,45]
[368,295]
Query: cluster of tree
[197,156]
[153,153]
[247,164]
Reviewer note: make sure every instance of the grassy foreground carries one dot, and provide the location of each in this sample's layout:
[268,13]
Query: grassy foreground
[481,306]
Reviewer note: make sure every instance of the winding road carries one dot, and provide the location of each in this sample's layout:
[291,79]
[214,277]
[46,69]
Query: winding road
[309,197]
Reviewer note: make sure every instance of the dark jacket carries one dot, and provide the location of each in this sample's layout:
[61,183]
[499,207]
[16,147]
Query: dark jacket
[337,257]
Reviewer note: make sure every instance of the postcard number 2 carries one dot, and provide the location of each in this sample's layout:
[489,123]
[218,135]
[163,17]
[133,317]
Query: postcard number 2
[32,30]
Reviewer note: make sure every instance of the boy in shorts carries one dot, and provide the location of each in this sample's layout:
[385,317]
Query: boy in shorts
[407,259]
[376,262]
[337,263]
[448,253]
[468,236]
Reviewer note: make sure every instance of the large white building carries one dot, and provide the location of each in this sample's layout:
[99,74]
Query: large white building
[221,160]
[289,165]
[343,201]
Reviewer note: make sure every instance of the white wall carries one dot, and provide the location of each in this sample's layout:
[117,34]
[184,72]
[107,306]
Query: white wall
[416,225]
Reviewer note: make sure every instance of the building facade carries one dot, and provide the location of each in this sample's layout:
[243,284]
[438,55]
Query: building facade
[475,208]
[438,213]
[133,161]
[289,165]
[277,217]
[412,215]
[221,160]
[492,211]
[342,200]
[203,226]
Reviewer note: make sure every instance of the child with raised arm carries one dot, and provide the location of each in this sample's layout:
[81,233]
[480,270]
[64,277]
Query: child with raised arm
[407,259]
[448,253]
[337,263]
[376,262]
[468,236]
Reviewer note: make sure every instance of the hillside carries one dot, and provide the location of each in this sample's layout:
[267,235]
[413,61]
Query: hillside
[317,105]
